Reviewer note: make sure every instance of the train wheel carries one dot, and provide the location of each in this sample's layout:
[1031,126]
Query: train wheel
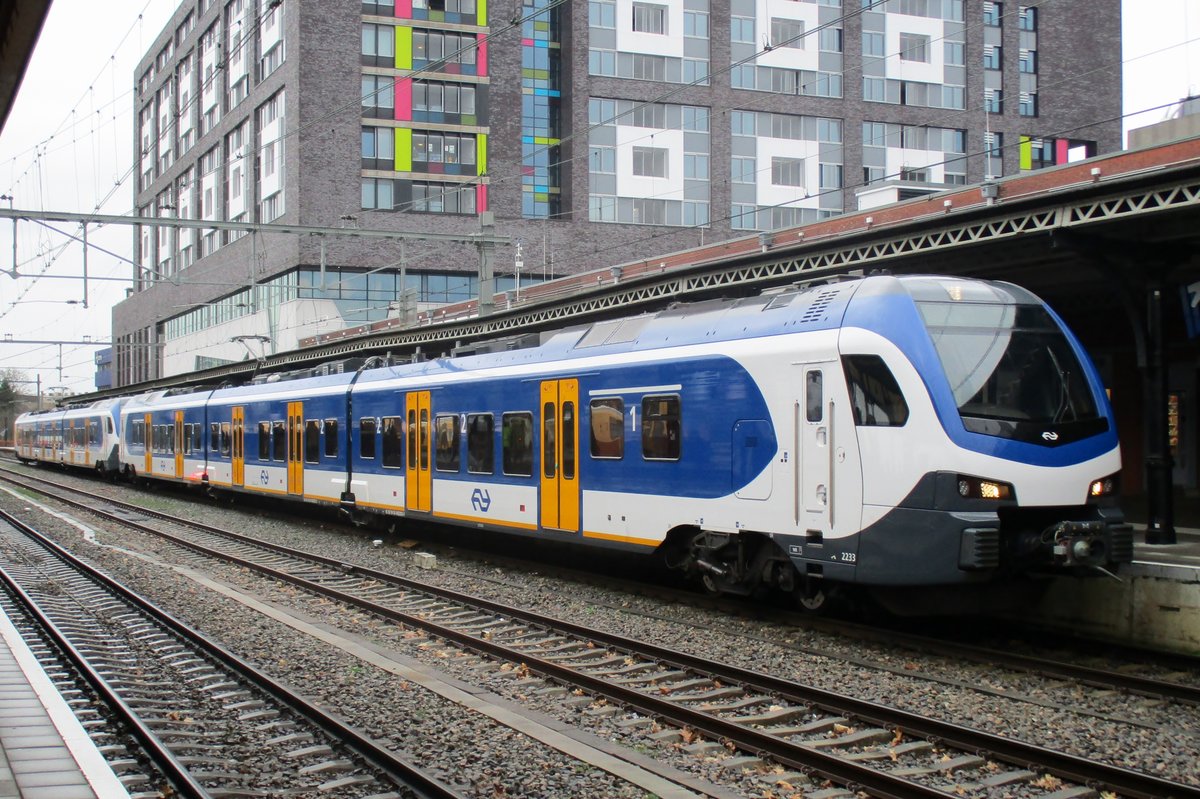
[812,598]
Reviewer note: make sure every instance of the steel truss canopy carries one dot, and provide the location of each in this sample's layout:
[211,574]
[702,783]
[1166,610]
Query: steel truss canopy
[1079,234]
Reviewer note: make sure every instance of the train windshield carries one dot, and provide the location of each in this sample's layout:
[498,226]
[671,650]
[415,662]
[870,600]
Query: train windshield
[1012,371]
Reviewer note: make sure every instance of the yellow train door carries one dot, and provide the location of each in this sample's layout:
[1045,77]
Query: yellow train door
[418,478]
[560,455]
[295,454]
[177,443]
[239,446]
[149,437]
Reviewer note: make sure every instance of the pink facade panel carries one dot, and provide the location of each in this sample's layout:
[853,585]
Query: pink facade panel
[1060,151]
[404,9]
[481,198]
[404,99]
[481,56]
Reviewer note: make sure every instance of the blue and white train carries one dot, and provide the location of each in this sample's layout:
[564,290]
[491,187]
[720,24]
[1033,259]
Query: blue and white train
[884,431]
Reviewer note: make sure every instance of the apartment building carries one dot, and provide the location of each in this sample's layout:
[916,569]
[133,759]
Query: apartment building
[592,133]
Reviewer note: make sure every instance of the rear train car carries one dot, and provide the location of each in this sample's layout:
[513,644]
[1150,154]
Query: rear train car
[85,437]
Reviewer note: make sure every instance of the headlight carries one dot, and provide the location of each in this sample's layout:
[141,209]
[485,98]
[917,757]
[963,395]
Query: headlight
[1105,486]
[979,488]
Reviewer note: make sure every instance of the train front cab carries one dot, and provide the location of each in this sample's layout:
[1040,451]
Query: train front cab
[1005,466]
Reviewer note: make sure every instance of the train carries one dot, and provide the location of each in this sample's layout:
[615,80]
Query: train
[881,432]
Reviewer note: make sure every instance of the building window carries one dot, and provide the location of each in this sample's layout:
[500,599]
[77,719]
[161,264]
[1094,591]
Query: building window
[991,56]
[378,194]
[649,18]
[602,160]
[787,171]
[448,47]
[742,170]
[450,98]
[378,96]
[649,67]
[602,208]
[695,24]
[830,40]
[741,29]
[873,44]
[649,212]
[378,45]
[1027,18]
[602,62]
[992,12]
[1028,106]
[993,101]
[914,47]
[875,90]
[1027,61]
[787,33]
[743,217]
[378,148]
[912,175]
[831,176]
[602,14]
[914,8]
[650,162]
[442,198]
[695,166]
[955,54]
[443,148]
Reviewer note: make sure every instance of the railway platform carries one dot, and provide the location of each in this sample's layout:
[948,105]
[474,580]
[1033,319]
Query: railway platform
[1153,602]
[45,753]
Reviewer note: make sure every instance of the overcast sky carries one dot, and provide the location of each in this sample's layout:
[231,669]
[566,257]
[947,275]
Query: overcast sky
[67,146]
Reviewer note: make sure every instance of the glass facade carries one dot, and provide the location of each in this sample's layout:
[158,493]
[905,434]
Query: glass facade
[541,98]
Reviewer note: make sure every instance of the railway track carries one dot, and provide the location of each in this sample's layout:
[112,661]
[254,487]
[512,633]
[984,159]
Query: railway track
[772,723]
[206,723]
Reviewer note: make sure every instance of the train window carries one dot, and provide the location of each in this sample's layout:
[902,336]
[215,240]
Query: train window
[366,438]
[548,423]
[94,432]
[481,444]
[568,440]
[187,439]
[393,441]
[660,428]
[170,442]
[264,441]
[447,431]
[412,439]
[214,436]
[516,435]
[226,437]
[312,441]
[278,441]
[108,425]
[197,444]
[875,396]
[137,434]
[813,395]
[608,428]
[331,438]
[424,440]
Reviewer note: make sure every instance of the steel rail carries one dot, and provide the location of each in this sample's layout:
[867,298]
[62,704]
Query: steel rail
[1125,781]
[399,769]
[161,756]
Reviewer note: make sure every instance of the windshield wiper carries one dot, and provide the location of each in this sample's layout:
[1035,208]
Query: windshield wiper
[1064,382]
